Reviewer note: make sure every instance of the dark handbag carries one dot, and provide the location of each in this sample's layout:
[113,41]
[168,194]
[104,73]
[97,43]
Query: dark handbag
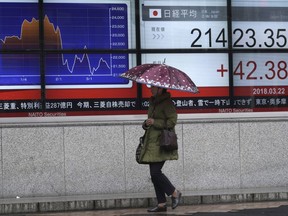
[168,140]
[140,150]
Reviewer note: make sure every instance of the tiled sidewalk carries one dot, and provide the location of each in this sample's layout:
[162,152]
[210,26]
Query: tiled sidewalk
[135,204]
[239,209]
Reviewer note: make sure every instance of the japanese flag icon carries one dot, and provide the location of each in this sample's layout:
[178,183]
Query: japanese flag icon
[155,13]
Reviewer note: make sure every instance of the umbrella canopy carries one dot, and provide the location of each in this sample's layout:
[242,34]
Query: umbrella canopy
[161,75]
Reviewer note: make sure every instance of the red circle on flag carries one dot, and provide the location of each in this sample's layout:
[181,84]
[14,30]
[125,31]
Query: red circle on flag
[155,13]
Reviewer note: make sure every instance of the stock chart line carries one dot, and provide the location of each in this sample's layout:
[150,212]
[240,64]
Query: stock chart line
[91,69]
[107,30]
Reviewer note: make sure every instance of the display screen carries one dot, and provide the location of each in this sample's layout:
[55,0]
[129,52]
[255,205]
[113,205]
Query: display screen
[86,70]
[190,25]
[261,69]
[19,30]
[19,70]
[86,24]
[184,24]
[260,79]
[212,79]
[260,24]
[76,78]
[67,56]
[19,25]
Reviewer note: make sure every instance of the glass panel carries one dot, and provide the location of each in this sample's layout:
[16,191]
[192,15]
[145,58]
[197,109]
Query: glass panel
[19,71]
[71,24]
[19,25]
[208,71]
[185,24]
[261,80]
[260,24]
[81,90]
[87,70]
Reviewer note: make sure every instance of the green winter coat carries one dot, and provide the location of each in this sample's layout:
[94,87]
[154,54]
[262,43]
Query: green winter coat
[160,108]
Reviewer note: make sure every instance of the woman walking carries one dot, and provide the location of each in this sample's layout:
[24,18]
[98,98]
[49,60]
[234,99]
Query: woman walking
[161,114]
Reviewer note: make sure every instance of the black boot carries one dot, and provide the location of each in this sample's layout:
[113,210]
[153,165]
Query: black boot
[158,209]
[176,200]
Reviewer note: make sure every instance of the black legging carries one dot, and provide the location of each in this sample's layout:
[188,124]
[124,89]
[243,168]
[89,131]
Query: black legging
[161,183]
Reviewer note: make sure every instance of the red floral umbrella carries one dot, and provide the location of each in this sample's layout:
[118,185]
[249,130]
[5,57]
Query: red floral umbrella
[161,75]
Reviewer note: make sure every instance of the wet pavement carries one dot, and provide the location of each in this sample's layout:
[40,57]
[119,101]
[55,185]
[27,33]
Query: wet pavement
[238,209]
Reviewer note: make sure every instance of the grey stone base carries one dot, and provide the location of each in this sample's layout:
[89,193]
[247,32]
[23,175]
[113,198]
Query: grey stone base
[118,201]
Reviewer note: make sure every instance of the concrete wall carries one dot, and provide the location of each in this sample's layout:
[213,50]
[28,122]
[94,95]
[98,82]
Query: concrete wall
[98,158]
